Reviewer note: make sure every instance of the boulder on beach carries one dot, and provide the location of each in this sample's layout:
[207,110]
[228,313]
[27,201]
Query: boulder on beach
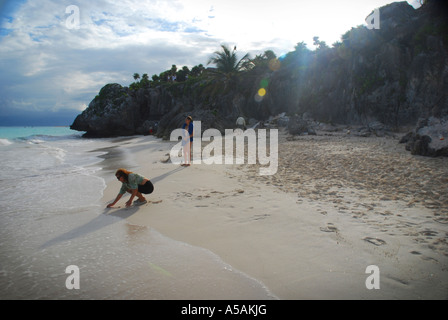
[430,138]
[298,125]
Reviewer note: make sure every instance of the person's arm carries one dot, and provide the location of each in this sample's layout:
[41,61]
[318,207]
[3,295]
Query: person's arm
[110,205]
[184,132]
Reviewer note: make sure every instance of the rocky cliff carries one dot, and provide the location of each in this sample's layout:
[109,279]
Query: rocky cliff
[120,111]
[393,75]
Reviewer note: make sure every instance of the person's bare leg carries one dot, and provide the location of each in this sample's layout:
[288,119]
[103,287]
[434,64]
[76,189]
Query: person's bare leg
[187,154]
[139,196]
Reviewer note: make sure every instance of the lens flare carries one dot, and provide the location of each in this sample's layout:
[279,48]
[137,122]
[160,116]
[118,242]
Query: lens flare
[260,94]
[264,83]
[274,64]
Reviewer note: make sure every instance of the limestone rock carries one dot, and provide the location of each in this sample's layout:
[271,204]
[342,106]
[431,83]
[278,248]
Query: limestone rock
[429,138]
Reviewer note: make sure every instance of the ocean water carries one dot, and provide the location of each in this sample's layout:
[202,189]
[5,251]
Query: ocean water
[52,217]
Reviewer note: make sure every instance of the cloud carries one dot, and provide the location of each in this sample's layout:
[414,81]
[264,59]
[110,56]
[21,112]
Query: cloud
[45,65]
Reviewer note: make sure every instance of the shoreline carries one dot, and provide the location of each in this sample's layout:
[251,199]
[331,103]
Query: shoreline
[312,245]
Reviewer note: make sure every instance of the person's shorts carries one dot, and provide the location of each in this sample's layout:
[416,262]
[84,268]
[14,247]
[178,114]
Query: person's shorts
[146,188]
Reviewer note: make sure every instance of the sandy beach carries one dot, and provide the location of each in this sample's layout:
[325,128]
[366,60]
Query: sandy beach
[336,205]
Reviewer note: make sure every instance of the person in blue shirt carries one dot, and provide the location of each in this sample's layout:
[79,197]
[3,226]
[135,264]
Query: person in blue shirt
[187,142]
[133,183]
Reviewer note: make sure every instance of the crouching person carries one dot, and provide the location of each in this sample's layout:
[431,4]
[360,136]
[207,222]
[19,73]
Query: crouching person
[135,184]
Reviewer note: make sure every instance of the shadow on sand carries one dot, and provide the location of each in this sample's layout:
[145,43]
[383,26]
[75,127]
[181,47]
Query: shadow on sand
[108,217]
[163,176]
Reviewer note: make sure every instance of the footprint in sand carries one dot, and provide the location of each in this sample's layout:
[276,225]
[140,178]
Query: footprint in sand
[442,220]
[322,212]
[260,216]
[428,233]
[375,241]
[329,228]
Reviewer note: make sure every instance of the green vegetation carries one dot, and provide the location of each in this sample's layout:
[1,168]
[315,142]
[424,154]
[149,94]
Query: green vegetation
[171,76]
[228,71]
[227,62]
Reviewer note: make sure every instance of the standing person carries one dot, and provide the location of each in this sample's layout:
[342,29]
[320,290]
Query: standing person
[187,142]
[133,183]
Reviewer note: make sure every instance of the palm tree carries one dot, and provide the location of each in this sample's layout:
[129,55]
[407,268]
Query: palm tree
[145,80]
[197,70]
[226,61]
[136,76]
[228,67]
[264,59]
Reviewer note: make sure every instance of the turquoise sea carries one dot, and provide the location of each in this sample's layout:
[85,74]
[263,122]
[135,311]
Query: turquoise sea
[11,133]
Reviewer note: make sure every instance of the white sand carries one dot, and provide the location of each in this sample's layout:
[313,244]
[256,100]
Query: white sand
[310,231]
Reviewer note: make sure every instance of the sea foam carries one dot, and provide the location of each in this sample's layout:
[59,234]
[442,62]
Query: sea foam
[5,142]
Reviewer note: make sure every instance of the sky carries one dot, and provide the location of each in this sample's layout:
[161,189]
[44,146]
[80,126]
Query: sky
[56,55]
